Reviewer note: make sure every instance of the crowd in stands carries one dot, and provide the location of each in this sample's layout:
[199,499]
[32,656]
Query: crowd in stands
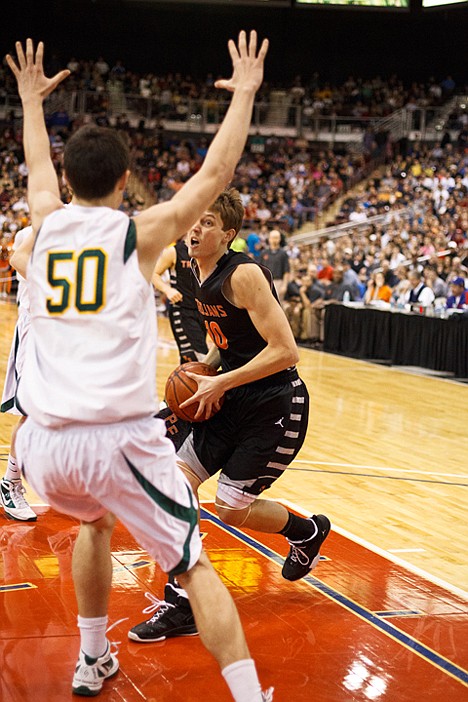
[421,195]
[176,93]
[410,257]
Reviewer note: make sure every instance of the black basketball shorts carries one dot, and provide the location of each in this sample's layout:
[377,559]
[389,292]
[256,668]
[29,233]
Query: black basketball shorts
[189,332]
[252,439]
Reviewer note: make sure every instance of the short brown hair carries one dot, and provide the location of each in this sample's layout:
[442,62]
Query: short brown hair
[95,158]
[229,206]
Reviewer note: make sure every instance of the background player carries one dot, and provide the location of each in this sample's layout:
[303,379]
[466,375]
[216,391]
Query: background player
[186,322]
[11,486]
[262,424]
[88,381]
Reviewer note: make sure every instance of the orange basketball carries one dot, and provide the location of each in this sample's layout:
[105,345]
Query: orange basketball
[179,387]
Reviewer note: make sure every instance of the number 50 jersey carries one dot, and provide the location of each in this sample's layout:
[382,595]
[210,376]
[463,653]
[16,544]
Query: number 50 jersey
[91,353]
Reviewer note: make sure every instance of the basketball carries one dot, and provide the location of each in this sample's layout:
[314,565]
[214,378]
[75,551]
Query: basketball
[179,387]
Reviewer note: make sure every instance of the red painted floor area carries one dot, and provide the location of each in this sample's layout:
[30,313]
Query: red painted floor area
[360,629]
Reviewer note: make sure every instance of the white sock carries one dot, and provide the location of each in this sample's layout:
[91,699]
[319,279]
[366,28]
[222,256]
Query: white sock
[12,471]
[93,635]
[242,680]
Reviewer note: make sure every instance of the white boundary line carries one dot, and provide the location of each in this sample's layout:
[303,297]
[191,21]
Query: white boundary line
[389,556]
[381,468]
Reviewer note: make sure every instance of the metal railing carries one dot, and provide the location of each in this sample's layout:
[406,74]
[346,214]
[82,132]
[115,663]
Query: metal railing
[204,116]
[339,230]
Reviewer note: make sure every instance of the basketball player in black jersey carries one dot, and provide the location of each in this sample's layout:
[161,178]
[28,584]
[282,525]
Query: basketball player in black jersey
[186,323]
[263,422]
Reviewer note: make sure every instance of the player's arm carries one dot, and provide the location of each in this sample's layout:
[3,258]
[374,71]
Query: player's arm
[249,289]
[159,225]
[213,357]
[21,255]
[165,262]
[33,88]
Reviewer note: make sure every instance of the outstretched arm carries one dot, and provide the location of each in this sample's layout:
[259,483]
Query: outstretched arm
[163,223]
[33,88]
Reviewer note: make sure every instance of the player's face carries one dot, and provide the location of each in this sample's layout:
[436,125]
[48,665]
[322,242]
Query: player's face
[207,238]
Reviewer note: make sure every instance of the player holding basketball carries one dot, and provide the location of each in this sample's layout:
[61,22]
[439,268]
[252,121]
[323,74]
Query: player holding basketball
[186,322]
[91,445]
[262,424]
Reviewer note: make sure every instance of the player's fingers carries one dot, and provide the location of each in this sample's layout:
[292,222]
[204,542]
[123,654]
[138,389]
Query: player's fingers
[253,44]
[59,77]
[20,55]
[29,52]
[194,376]
[14,68]
[263,49]
[224,85]
[233,50]
[39,54]
[242,43]
[189,401]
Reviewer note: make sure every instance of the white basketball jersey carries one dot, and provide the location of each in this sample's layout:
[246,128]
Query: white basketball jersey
[22,295]
[91,354]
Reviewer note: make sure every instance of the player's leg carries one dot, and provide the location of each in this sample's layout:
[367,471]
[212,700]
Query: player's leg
[11,486]
[166,523]
[66,475]
[92,578]
[305,536]
[222,634]
[173,616]
[269,441]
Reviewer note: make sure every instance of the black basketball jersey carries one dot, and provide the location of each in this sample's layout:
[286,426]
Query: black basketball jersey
[230,328]
[181,277]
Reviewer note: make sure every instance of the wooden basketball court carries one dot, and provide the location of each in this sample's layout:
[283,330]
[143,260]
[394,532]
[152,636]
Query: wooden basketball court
[383,617]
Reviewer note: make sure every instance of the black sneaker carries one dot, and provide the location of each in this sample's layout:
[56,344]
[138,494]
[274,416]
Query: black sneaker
[174,617]
[304,555]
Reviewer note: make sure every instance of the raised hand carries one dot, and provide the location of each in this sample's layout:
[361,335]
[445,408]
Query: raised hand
[29,72]
[247,66]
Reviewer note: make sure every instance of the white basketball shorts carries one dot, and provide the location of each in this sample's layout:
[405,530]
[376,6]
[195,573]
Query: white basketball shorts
[127,468]
[15,364]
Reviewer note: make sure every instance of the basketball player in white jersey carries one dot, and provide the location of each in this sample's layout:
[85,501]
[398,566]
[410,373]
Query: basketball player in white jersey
[91,445]
[11,486]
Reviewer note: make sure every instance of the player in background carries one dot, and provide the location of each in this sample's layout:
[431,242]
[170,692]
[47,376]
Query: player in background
[262,423]
[186,322]
[91,445]
[11,486]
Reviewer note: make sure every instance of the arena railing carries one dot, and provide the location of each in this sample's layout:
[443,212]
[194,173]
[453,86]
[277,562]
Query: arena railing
[339,230]
[204,116]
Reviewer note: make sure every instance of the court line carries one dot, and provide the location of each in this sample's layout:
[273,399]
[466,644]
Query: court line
[383,468]
[372,475]
[409,642]
[463,594]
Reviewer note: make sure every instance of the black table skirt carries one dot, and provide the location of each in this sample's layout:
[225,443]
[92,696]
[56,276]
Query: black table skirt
[399,339]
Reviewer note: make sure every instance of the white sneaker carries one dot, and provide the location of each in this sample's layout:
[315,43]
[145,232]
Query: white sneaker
[14,502]
[90,673]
